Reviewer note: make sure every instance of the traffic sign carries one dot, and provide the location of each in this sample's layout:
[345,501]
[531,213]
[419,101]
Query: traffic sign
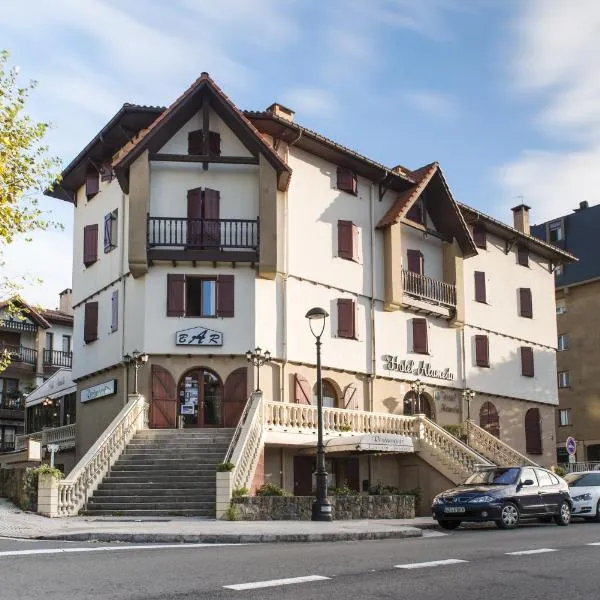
[571,445]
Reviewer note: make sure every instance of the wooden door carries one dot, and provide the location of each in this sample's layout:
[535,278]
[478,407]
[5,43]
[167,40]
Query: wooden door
[489,420]
[194,218]
[347,473]
[235,396]
[303,471]
[533,431]
[163,409]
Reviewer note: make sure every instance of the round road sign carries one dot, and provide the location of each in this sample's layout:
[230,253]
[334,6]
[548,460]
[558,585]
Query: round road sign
[571,445]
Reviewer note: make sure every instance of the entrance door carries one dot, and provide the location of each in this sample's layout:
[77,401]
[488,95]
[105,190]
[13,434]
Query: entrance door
[163,410]
[489,420]
[200,398]
[235,396]
[303,470]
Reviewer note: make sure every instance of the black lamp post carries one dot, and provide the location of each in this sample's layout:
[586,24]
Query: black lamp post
[137,359]
[258,359]
[417,387]
[321,509]
[468,395]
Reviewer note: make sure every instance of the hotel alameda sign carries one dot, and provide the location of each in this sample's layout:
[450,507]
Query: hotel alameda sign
[413,367]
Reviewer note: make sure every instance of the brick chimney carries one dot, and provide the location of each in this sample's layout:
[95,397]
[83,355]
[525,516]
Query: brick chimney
[65,303]
[521,218]
[281,111]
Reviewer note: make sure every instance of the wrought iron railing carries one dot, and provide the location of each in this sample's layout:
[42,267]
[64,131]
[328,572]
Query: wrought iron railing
[19,353]
[58,358]
[18,325]
[165,232]
[428,289]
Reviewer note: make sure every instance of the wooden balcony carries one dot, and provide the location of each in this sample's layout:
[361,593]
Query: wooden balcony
[20,354]
[57,358]
[12,324]
[426,294]
[170,238]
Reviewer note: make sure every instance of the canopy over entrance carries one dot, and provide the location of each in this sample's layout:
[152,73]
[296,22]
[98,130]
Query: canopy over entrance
[371,442]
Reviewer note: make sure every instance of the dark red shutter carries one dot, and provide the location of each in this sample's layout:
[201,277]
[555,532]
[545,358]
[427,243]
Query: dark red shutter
[302,390]
[194,217]
[346,180]
[527,368]
[92,184]
[164,405]
[419,327]
[235,395]
[195,142]
[482,351]
[225,296]
[107,232]
[480,236]
[345,240]
[175,295]
[525,302]
[214,143]
[211,228]
[489,419]
[114,321]
[90,323]
[480,286]
[533,431]
[90,244]
[415,261]
[523,256]
[346,327]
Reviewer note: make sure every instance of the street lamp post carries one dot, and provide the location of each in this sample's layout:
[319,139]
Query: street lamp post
[417,387]
[137,359]
[467,396]
[258,359]
[321,509]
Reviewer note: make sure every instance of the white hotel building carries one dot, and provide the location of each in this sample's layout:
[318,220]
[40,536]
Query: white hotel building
[202,216]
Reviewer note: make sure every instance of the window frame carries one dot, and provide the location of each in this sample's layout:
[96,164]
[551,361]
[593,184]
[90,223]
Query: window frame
[566,412]
[556,226]
[566,377]
[202,279]
[111,230]
[523,256]
[565,346]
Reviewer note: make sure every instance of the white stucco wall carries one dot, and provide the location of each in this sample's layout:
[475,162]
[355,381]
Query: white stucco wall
[428,245]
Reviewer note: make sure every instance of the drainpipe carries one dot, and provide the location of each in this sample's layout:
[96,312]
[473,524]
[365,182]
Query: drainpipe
[464,372]
[372,265]
[123,270]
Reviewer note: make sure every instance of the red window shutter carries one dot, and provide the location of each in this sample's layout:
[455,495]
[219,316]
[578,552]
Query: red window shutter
[90,324]
[175,295]
[523,256]
[346,180]
[194,217]
[480,236]
[345,240]
[211,230]
[480,295]
[533,431]
[415,261]
[420,345]
[214,143]
[92,184]
[527,368]
[195,142]
[90,244]
[302,391]
[225,296]
[526,307]
[114,321]
[482,351]
[346,320]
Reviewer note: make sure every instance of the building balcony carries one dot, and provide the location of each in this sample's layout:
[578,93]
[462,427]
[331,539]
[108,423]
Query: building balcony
[12,324]
[57,358]
[63,436]
[20,354]
[170,238]
[428,295]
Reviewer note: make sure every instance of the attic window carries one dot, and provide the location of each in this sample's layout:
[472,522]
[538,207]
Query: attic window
[416,212]
[347,180]
[196,143]
[556,232]
[92,183]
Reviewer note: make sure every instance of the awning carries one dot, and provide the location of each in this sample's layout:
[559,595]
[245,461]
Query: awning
[60,384]
[370,442]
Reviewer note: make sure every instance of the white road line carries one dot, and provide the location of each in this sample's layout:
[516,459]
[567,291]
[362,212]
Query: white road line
[38,551]
[593,544]
[432,563]
[537,551]
[275,582]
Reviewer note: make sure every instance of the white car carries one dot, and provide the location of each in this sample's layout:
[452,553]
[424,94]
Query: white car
[584,489]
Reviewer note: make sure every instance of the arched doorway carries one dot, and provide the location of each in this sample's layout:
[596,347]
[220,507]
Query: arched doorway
[330,395]
[415,404]
[489,419]
[533,431]
[200,394]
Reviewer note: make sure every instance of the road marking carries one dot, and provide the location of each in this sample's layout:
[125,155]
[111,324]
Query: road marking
[275,582]
[432,563]
[537,551]
[37,551]
[593,544]
[430,533]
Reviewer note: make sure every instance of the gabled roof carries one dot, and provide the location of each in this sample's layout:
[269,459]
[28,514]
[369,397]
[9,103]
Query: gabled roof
[441,207]
[174,117]
[57,316]
[28,310]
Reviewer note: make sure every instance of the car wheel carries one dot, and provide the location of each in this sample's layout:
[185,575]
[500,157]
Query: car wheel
[564,514]
[509,517]
[448,524]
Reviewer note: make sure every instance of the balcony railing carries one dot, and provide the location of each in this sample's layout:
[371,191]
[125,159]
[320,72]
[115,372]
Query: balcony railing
[20,353]
[57,358]
[17,325]
[64,436]
[428,289]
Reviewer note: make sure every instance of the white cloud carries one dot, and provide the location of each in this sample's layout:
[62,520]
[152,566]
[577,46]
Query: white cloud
[433,104]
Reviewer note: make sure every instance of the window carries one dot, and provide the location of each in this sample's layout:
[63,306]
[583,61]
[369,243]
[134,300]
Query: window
[528,473]
[203,224]
[348,240]
[90,244]
[419,331]
[9,393]
[346,312]
[347,180]
[525,304]
[416,213]
[49,342]
[523,256]
[480,236]
[110,231]
[563,342]
[415,261]
[66,343]
[114,316]
[527,369]
[564,417]
[543,477]
[480,295]
[196,143]
[90,323]
[558,271]
[561,307]
[92,183]
[555,232]
[563,379]
[482,354]
[192,296]
[330,396]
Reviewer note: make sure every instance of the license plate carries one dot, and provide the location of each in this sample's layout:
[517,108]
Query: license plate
[454,509]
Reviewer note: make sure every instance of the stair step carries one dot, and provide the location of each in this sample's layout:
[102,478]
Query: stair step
[169,462]
[179,493]
[167,479]
[128,505]
[153,513]
[170,484]
[134,499]
[165,468]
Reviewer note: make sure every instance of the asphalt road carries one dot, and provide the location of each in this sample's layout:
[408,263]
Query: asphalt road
[478,563]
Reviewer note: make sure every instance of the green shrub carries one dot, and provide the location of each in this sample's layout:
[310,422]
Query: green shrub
[560,471]
[232,513]
[416,492]
[31,483]
[343,491]
[239,492]
[225,467]
[345,427]
[271,489]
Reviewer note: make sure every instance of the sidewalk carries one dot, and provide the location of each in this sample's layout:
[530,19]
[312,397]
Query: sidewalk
[15,523]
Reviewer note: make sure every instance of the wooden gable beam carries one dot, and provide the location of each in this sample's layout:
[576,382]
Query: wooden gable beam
[205,129]
[384,185]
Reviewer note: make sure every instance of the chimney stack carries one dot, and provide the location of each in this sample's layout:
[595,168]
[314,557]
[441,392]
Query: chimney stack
[521,218]
[281,111]
[65,303]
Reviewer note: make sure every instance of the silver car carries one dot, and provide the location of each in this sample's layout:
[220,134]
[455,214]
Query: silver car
[584,489]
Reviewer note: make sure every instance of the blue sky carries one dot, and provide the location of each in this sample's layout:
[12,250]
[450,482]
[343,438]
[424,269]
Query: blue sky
[503,93]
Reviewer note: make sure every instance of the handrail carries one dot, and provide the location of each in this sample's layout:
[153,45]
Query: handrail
[19,353]
[238,429]
[428,288]
[74,490]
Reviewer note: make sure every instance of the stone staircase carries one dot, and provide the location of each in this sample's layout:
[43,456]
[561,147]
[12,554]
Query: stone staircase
[163,472]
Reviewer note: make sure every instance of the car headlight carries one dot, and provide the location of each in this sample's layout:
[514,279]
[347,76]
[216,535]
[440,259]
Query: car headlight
[582,497]
[481,499]
[438,500]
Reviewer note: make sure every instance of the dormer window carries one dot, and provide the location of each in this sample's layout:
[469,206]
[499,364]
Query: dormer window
[556,233]
[416,212]
[196,143]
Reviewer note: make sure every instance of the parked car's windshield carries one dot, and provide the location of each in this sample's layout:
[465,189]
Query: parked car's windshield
[582,479]
[494,476]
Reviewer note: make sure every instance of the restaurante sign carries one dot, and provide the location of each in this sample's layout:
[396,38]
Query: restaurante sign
[412,367]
